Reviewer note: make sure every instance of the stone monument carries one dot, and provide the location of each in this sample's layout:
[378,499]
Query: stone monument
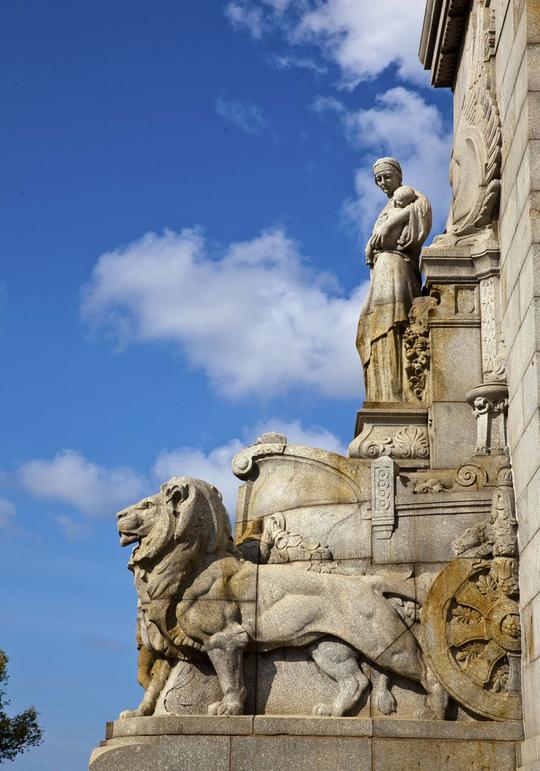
[364,611]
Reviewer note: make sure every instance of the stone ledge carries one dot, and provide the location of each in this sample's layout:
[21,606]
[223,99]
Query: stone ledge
[181,725]
[273,743]
[295,725]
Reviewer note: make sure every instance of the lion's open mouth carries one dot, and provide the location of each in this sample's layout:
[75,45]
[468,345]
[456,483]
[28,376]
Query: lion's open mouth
[127,538]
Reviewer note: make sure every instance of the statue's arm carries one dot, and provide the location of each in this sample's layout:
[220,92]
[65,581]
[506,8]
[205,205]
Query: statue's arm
[370,254]
[386,236]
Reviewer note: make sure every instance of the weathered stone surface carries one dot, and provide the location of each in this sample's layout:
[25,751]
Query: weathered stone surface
[451,447]
[188,725]
[191,753]
[531,707]
[531,630]
[449,346]
[422,755]
[268,753]
[421,537]
[192,686]
[290,683]
[530,751]
[315,726]
[529,568]
[528,516]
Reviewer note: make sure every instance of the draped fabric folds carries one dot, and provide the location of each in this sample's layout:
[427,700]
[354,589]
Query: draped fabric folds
[395,282]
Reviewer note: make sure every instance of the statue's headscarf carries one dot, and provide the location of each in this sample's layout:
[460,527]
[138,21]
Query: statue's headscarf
[388,163]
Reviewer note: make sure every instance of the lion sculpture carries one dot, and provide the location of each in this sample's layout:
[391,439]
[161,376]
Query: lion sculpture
[197,593]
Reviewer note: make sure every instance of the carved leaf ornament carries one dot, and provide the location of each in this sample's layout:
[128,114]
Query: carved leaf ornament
[408,442]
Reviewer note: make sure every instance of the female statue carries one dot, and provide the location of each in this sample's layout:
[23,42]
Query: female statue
[393,253]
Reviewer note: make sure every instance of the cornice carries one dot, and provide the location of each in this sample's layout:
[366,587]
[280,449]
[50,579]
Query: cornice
[443,30]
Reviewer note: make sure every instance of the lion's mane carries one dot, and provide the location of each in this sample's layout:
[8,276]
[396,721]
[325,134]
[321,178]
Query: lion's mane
[190,520]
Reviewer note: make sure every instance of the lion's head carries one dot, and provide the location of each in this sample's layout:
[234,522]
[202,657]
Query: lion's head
[185,519]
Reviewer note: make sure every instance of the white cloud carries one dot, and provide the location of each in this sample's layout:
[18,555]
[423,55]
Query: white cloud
[404,125]
[288,62]
[215,465]
[7,514]
[246,116]
[93,490]
[361,37]
[244,18]
[70,478]
[364,37]
[257,320]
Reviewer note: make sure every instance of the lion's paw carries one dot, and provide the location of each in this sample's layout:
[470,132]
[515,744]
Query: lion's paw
[129,713]
[386,702]
[225,708]
[323,710]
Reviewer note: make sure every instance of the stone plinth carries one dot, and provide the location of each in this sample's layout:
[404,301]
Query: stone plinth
[263,743]
[396,430]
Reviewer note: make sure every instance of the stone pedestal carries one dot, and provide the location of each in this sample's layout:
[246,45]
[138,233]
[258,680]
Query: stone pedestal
[265,743]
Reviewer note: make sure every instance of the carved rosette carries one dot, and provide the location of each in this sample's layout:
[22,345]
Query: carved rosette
[473,635]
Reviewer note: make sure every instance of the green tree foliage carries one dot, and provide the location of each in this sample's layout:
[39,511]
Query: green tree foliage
[17,733]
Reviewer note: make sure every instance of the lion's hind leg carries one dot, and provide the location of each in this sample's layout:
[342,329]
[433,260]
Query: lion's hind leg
[153,681]
[382,695]
[437,698]
[339,661]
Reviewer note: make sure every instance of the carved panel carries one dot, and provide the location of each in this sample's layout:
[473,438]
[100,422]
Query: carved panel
[489,321]
[475,165]
[465,300]
[382,497]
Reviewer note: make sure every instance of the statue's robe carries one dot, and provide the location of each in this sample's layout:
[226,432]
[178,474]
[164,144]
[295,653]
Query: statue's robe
[395,282]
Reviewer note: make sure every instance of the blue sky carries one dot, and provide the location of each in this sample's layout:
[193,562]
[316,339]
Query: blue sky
[184,193]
